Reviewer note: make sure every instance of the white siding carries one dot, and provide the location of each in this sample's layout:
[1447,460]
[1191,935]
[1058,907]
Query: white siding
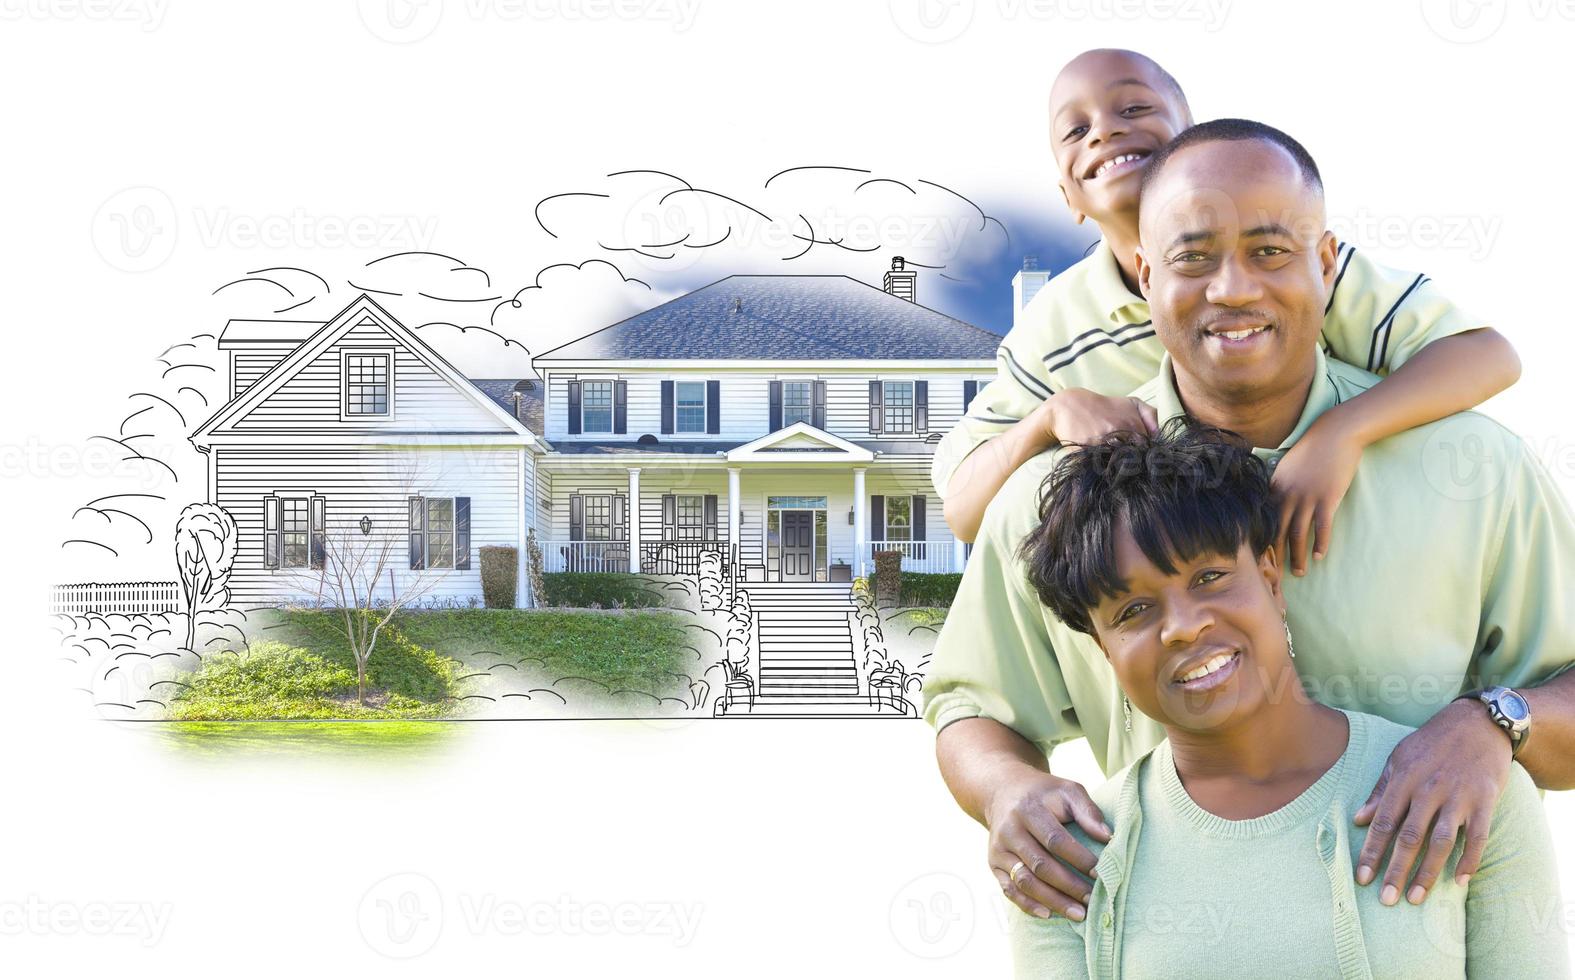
[250,364]
[746,402]
[373,483]
[423,400]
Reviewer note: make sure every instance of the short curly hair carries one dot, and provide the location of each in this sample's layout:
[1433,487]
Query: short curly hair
[1191,489]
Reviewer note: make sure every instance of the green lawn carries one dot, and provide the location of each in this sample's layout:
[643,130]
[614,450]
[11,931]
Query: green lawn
[425,662]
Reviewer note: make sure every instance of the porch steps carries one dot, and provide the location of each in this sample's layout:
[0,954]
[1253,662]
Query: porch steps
[806,655]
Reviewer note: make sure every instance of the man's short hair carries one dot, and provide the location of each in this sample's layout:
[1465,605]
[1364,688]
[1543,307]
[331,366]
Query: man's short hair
[1227,131]
[1191,489]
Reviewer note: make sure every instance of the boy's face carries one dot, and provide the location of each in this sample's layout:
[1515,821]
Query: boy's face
[1106,106]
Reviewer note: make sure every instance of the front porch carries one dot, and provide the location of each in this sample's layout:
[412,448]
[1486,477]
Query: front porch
[793,519]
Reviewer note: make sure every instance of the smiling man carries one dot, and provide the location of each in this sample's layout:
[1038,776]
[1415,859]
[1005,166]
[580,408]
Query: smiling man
[1440,582]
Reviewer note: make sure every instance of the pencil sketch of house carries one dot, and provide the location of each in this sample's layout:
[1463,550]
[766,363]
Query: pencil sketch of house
[793,417]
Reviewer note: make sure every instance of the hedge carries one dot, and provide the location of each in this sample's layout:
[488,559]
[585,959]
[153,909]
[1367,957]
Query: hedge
[929,588]
[604,590]
[500,568]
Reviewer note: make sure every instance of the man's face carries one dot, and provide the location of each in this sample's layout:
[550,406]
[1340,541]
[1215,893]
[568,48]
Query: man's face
[1106,106]
[1237,264]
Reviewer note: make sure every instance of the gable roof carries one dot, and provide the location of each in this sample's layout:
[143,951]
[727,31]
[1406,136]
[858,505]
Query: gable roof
[800,441]
[785,318]
[360,310]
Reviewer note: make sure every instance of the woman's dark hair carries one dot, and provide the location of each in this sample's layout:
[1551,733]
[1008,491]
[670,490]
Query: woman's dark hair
[1191,489]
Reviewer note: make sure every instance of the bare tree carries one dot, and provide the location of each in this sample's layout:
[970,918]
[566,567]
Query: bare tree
[205,540]
[357,582]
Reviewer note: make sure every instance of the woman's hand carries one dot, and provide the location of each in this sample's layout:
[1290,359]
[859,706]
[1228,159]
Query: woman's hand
[1077,415]
[1312,479]
[1028,818]
[1443,778]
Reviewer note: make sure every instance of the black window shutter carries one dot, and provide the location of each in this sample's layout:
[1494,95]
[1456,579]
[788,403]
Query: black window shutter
[921,406]
[877,410]
[877,527]
[970,388]
[319,547]
[917,510]
[461,532]
[713,407]
[820,405]
[620,407]
[418,533]
[574,408]
[669,518]
[667,407]
[776,405]
[710,517]
[576,517]
[271,516]
[620,518]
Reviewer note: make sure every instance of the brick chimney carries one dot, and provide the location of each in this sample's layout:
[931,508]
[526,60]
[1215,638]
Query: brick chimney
[900,280]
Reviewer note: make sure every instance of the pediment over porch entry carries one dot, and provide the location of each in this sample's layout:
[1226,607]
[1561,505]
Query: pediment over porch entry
[800,442]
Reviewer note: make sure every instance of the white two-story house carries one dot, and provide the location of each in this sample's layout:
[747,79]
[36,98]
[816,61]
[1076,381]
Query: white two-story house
[785,421]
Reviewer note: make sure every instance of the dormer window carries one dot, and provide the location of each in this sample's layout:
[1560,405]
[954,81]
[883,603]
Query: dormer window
[368,383]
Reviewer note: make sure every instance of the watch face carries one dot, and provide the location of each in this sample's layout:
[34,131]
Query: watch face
[1514,706]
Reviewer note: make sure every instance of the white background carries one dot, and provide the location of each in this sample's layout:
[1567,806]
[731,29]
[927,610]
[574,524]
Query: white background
[828,847]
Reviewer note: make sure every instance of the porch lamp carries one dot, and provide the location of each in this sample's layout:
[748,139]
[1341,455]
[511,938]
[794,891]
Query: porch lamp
[850,516]
[366,524]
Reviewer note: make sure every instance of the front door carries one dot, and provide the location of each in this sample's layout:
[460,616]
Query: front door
[798,545]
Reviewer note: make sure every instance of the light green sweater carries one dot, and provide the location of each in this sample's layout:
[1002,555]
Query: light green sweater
[1182,893]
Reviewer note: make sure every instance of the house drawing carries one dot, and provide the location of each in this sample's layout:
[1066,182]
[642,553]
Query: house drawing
[785,421]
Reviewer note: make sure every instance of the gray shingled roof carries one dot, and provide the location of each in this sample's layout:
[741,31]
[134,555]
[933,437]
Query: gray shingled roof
[785,318]
[501,390]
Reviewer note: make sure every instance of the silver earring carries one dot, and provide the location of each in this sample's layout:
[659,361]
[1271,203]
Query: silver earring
[1126,709]
[1290,644]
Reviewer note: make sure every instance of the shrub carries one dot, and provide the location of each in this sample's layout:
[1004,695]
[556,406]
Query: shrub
[888,576]
[500,566]
[929,588]
[599,590]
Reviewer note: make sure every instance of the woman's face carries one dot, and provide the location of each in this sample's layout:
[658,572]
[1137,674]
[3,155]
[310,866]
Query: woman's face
[1202,648]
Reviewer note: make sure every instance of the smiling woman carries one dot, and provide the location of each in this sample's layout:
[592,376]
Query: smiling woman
[1232,850]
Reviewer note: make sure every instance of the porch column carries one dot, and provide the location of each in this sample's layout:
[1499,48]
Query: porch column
[959,554]
[523,497]
[732,509]
[634,518]
[860,522]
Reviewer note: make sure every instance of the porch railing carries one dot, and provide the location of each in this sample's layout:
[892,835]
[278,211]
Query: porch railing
[918,556]
[677,557]
[585,556]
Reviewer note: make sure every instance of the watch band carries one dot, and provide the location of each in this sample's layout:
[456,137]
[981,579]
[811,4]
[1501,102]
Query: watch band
[1518,729]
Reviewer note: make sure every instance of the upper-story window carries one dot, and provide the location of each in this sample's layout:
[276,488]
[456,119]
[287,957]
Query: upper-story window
[596,406]
[690,406]
[798,402]
[367,383]
[898,402]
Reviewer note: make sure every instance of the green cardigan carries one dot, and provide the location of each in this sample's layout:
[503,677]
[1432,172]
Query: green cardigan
[1183,893]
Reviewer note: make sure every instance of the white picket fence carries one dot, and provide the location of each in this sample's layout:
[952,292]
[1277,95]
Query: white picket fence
[115,597]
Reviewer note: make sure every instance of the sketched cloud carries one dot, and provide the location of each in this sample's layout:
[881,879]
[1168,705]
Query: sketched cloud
[567,301]
[822,217]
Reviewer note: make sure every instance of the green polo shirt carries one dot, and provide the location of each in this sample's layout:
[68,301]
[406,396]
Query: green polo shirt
[1451,566]
[1085,329]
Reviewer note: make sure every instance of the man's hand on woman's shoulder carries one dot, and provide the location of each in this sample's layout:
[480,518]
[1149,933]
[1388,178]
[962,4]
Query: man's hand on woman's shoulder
[1038,863]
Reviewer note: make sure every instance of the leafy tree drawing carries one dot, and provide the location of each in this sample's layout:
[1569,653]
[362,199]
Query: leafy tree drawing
[205,539]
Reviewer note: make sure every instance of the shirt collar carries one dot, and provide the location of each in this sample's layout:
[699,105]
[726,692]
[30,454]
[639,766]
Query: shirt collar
[1321,397]
[1110,291]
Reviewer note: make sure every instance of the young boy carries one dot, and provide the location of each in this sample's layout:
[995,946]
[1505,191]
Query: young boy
[1086,340]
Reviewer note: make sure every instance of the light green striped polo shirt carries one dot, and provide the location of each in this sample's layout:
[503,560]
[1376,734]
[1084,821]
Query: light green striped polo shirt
[1451,567]
[1085,329]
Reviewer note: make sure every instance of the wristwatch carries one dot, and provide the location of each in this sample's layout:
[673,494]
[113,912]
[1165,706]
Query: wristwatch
[1509,711]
